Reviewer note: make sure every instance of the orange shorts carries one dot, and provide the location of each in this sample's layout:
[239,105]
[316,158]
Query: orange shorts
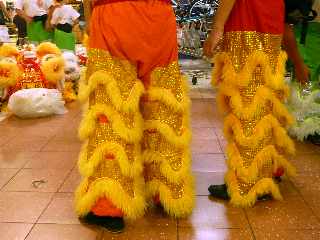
[142,32]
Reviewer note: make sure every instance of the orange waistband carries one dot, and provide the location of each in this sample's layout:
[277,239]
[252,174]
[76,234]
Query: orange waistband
[102,2]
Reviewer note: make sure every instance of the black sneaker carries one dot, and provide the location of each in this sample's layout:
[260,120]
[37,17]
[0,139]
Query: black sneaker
[219,191]
[112,224]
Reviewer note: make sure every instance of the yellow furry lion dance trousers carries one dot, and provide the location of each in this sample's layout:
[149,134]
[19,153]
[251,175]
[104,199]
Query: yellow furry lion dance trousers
[249,72]
[136,127]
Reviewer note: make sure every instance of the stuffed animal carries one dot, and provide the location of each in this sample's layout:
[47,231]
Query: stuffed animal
[72,76]
[51,64]
[10,73]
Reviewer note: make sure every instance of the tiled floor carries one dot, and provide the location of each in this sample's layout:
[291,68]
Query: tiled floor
[38,176]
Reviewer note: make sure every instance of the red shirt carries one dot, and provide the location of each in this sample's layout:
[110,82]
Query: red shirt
[265,16]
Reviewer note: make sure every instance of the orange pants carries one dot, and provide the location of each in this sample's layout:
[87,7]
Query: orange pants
[137,125]
[142,32]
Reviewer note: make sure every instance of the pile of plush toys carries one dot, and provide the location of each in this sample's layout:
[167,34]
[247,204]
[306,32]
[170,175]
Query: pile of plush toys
[41,67]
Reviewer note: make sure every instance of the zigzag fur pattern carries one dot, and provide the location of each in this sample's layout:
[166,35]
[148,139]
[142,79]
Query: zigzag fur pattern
[182,206]
[88,166]
[224,69]
[166,170]
[233,131]
[262,187]
[89,123]
[86,197]
[102,77]
[266,155]
[177,208]
[229,99]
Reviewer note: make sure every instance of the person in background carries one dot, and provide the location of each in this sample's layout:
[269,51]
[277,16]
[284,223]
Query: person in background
[21,25]
[35,13]
[63,19]
[4,16]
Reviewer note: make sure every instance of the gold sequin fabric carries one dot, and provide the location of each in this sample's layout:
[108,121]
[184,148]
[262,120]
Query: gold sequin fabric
[109,168]
[166,120]
[240,46]
[159,113]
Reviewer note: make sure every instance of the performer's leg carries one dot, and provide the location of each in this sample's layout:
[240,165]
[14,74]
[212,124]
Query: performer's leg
[165,108]
[251,92]
[110,162]
[166,143]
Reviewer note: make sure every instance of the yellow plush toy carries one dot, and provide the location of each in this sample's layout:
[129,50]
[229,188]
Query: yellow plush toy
[9,73]
[51,64]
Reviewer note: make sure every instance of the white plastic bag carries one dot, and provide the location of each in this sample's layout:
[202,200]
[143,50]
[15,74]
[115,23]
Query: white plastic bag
[36,102]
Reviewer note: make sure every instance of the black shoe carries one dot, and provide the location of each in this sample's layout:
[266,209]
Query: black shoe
[219,191]
[112,224]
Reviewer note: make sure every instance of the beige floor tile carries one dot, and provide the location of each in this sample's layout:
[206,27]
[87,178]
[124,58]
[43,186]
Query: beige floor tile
[209,162]
[15,159]
[203,233]
[25,144]
[60,210]
[67,135]
[287,234]
[148,233]
[62,232]
[204,179]
[22,206]
[306,163]
[205,133]
[37,180]
[154,216]
[62,146]
[38,132]
[205,146]
[215,214]
[292,213]
[72,182]
[14,231]
[219,133]
[53,160]
[223,144]
[303,148]
[201,120]
[6,175]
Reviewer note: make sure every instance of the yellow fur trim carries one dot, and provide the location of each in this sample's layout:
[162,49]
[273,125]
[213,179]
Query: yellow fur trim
[233,131]
[168,133]
[87,196]
[174,176]
[265,156]
[7,50]
[224,70]
[53,69]
[89,123]
[229,99]
[262,187]
[112,89]
[167,97]
[47,48]
[87,166]
[13,74]
[180,207]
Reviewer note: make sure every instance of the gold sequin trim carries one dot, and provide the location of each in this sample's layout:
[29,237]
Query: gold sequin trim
[242,44]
